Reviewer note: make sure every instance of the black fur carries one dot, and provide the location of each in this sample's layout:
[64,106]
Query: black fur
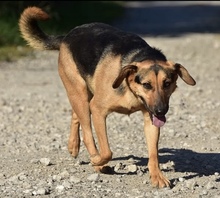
[90,43]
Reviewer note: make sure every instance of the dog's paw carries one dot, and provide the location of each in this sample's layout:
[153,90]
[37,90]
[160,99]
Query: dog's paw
[97,160]
[73,148]
[159,181]
[74,152]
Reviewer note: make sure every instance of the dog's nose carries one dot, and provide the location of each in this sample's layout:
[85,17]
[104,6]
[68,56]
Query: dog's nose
[161,111]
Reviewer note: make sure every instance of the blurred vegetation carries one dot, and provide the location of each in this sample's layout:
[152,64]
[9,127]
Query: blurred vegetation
[64,16]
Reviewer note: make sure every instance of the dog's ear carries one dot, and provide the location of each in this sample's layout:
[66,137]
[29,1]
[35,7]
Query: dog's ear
[125,71]
[184,74]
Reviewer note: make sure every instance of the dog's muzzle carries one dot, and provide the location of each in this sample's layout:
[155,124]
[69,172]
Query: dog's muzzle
[158,118]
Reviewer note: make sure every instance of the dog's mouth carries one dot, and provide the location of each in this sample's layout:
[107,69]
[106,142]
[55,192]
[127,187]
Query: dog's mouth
[157,121]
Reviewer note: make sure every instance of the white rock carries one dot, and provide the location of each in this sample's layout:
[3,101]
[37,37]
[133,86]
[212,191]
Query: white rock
[181,179]
[60,188]
[132,168]
[75,180]
[45,161]
[93,177]
[41,191]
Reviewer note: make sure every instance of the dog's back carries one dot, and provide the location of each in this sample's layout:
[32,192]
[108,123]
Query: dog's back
[88,43]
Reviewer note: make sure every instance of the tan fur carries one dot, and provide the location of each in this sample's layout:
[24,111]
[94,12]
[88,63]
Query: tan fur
[112,88]
[29,13]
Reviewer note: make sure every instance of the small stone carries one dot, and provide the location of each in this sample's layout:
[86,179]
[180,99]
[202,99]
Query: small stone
[204,192]
[2,182]
[67,184]
[210,185]
[145,182]
[75,180]
[57,178]
[60,188]
[172,132]
[2,176]
[165,166]
[27,191]
[191,184]
[45,161]
[117,194]
[22,177]
[132,168]
[64,174]
[14,179]
[140,173]
[118,167]
[93,177]
[118,180]
[41,191]
[181,179]
[131,160]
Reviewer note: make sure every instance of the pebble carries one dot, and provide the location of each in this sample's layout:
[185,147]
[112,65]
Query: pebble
[14,179]
[132,168]
[204,192]
[60,188]
[210,185]
[42,191]
[57,178]
[181,179]
[74,179]
[118,166]
[45,161]
[28,191]
[93,177]
[191,184]
[67,184]
[118,180]
[64,174]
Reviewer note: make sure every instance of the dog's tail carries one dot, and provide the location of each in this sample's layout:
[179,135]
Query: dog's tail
[32,33]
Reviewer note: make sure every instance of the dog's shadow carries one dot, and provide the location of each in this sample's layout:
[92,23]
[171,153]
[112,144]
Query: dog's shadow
[184,160]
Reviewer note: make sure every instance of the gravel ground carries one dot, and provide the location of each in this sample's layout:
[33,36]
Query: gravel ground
[35,117]
[35,122]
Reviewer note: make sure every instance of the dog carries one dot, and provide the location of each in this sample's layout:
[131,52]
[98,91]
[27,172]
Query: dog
[105,70]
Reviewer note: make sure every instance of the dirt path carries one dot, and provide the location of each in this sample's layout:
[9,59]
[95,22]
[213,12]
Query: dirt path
[35,119]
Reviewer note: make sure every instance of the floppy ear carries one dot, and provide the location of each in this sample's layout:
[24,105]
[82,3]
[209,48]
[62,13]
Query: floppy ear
[125,71]
[184,74]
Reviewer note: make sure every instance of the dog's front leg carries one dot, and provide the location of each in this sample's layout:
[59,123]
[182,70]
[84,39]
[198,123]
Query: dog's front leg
[152,134]
[99,121]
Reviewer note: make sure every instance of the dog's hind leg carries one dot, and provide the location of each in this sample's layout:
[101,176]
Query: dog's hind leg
[79,99]
[74,137]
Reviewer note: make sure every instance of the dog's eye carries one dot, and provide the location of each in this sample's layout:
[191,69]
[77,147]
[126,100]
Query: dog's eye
[166,84]
[147,85]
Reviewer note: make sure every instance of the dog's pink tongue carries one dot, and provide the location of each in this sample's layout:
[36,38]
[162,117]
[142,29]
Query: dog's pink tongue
[159,121]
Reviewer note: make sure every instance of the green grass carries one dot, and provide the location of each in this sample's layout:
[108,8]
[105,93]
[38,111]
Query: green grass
[13,53]
[64,16]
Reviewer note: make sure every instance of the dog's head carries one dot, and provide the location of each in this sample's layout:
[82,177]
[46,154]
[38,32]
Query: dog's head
[153,83]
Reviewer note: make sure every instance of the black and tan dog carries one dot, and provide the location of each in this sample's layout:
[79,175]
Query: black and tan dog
[107,70]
